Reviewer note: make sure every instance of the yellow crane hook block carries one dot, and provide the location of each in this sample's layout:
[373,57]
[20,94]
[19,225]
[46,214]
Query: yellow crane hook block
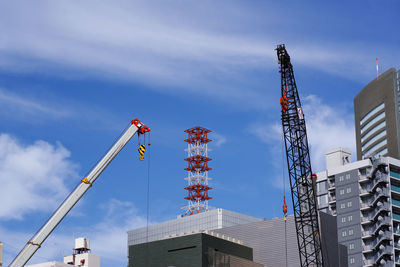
[141,150]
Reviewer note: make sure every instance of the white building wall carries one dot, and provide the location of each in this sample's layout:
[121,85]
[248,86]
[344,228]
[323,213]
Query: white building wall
[210,220]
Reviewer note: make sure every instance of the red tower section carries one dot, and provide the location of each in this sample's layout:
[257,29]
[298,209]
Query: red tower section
[197,170]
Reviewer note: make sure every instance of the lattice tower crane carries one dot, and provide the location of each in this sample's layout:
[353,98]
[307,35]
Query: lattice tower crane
[302,181]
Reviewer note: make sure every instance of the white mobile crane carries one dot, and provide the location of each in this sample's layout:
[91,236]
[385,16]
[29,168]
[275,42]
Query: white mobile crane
[37,240]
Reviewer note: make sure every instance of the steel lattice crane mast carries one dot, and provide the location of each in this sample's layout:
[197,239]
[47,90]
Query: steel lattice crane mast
[302,182]
[37,240]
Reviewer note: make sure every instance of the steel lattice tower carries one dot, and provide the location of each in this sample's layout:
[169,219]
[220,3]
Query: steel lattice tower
[197,170]
[302,182]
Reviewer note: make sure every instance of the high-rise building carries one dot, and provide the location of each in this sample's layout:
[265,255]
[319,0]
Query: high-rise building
[377,117]
[365,198]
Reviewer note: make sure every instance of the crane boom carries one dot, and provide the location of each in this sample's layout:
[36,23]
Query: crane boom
[302,182]
[37,240]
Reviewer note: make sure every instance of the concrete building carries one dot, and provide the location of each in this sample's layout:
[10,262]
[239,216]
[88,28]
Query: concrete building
[209,220]
[192,250]
[377,117]
[81,257]
[265,238]
[365,198]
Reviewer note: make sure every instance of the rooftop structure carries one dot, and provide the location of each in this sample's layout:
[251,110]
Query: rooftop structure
[198,249]
[197,170]
[377,117]
[80,257]
[209,220]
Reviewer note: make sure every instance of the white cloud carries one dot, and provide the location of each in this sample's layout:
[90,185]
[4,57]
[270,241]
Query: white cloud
[29,174]
[327,127]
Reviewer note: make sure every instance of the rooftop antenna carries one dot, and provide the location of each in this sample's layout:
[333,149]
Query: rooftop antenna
[377,69]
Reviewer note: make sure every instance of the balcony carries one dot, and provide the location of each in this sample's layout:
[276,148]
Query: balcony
[388,250]
[383,236]
[372,231]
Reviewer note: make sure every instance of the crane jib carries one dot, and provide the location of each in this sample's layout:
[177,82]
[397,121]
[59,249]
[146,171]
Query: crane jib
[302,182]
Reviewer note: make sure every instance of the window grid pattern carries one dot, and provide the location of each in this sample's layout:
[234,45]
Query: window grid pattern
[210,220]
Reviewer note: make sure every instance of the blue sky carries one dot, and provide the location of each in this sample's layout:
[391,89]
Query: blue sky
[73,74]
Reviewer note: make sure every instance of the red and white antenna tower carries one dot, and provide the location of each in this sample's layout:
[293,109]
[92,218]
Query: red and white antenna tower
[197,170]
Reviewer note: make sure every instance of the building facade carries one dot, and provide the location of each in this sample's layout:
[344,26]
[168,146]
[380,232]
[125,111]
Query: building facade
[209,220]
[365,198]
[376,114]
[192,250]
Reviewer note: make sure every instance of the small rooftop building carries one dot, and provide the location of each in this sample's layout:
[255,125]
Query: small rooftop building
[80,257]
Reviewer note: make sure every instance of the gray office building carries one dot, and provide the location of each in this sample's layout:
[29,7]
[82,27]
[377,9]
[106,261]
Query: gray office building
[377,117]
[365,198]
[266,238]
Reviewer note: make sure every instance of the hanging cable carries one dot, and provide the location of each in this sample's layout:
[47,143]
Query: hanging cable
[284,201]
[148,198]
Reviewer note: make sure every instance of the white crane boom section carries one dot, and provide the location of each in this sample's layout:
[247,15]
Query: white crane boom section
[35,243]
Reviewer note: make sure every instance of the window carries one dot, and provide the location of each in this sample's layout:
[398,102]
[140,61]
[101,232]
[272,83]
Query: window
[352,261]
[341,192]
[342,206]
[372,112]
[341,178]
[343,219]
[344,233]
[351,232]
[349,204]
[373,131]
[351,246]
[373,139]
[350,218]
[348,190]
[348,176]
[375,147]
[366,127]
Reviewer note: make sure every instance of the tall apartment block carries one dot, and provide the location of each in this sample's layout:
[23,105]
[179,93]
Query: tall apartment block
[377,117]
[365,198]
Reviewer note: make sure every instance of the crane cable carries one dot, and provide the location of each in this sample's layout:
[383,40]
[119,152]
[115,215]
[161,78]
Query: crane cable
[148,196]
[284,202]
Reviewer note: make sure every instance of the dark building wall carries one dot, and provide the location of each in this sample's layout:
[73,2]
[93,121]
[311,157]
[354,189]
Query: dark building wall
[333,253]
[382,89]
[185,251]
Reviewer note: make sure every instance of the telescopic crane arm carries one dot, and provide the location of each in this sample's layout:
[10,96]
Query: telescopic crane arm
[302,182]
[35,243]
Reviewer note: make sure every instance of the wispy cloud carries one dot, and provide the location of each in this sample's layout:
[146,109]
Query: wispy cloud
[12,104]
[218,139]
[186,49]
